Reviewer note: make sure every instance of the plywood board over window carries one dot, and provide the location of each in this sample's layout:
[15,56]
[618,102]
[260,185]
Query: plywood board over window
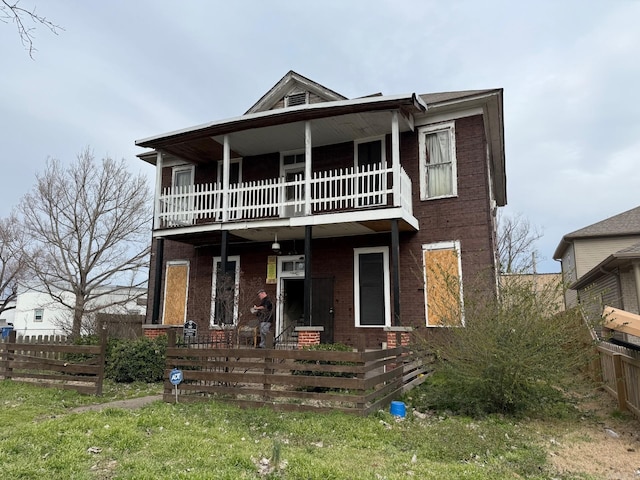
[443,284]
[175,293]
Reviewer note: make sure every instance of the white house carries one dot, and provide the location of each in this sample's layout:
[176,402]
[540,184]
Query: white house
[37,313]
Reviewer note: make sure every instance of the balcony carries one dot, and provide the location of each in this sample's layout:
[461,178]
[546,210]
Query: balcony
[338,191]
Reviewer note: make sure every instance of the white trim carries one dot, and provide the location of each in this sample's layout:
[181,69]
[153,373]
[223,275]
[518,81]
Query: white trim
[386,281]
[422,132]
[280,287]
[296,168]
[237,160]
[182,168]
[447,245]
[236,293]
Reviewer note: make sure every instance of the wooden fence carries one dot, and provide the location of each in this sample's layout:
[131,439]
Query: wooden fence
[620,369]
[54,362]
[357,382]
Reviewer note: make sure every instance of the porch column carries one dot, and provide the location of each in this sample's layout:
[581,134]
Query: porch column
[307,275]
[157,281]
[395,158]
[307,168]
[395,265]
[156,206]
[636,275]
[226,162]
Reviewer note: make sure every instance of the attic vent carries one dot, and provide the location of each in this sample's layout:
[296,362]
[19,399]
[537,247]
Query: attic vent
[296,99]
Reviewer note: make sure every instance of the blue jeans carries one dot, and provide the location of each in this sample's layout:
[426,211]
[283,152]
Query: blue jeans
[264,330]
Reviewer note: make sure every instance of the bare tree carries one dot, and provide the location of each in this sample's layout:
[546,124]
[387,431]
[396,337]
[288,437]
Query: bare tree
[90,227]
[11,11]
[12,260]
[516,244]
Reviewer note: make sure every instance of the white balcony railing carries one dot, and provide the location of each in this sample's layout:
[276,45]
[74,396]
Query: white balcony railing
[332,190]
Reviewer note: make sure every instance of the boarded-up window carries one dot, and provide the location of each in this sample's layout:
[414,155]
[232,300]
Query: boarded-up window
[443,284]
[175,293]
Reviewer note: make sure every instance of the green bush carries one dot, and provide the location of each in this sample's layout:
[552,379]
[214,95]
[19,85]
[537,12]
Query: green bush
[141,360]
[324,347]
[514,354]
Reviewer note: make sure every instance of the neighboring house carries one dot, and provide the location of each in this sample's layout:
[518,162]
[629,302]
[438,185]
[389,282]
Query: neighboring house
[37,313]
[7,316]
[601,264]
[342,209]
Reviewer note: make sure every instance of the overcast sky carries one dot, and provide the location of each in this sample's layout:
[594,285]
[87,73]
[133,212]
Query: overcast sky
[124,70]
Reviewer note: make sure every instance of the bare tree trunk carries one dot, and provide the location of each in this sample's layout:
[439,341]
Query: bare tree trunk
[78,313]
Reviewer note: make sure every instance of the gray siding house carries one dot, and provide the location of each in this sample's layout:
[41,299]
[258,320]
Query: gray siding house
[601,264]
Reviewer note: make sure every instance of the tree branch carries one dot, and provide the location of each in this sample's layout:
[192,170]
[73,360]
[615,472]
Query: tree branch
[12,12]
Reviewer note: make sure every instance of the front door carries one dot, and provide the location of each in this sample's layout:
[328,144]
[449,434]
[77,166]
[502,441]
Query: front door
[322,306]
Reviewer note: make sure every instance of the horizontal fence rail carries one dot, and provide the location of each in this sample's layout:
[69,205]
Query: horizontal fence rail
[331,190]
[620,367]
[54,362]
[357,382]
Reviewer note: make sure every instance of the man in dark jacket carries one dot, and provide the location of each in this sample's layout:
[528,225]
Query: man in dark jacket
[264,312]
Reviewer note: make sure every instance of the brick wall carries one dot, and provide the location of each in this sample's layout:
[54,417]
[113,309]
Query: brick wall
[307,339]
[466,217]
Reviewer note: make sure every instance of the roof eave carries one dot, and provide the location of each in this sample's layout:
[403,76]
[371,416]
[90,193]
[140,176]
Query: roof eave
[286,115]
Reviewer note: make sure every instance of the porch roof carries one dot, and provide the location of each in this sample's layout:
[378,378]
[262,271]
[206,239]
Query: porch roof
[345,224]
[283,129]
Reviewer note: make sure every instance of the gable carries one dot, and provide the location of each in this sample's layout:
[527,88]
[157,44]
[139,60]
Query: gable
[293,90]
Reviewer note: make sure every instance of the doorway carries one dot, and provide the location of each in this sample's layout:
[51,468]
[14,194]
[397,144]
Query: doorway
[292,309]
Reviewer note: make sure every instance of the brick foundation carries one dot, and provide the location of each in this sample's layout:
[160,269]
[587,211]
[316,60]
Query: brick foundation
[308,336]
[405,337]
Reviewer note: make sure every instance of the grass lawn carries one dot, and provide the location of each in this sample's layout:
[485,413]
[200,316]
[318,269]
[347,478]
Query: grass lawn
[41,438]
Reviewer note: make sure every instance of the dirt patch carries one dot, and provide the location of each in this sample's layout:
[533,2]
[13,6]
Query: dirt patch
[132,403]
[606,445]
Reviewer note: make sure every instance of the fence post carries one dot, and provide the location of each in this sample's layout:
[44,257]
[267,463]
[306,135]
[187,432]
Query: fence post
[10,352]
[102,357]
[362,347]
[267,363]
[621,390]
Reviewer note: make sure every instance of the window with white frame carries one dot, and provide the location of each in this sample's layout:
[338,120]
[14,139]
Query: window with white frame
[438,169]
[371,287]
[181,205]
[225,291]
[292,168]
[182,176]
[38,315]
[442,284]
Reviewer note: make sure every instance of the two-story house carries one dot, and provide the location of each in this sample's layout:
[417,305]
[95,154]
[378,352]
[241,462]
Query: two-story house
[601,264]
[355,214]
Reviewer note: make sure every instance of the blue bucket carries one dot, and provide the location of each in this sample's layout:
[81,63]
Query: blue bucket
[398,409]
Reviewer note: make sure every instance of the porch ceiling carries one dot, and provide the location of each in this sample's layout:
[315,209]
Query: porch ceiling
[283,130]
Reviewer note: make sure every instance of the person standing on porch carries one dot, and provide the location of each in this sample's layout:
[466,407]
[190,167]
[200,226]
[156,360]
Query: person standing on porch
[264,311]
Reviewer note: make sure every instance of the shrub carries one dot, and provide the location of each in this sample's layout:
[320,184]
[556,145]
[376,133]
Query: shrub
[140,360]
[324,347]
[513,355]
